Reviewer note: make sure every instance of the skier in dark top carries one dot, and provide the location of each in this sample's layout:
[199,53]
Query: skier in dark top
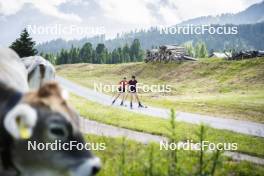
[121,91]
[132,87]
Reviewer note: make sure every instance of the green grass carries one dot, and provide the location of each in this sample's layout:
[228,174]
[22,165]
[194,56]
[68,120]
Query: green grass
[129,158]
[229,89]
[118,117]
[245,106]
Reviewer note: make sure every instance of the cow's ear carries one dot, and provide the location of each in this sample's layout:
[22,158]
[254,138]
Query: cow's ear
[20,121]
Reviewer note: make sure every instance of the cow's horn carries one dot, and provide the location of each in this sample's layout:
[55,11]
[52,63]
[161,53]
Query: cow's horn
[20,121]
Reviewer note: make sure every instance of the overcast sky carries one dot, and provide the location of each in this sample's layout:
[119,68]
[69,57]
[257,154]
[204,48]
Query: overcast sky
[123,15]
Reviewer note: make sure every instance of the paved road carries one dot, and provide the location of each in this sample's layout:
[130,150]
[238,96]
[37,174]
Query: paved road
[245,127]
[96,128]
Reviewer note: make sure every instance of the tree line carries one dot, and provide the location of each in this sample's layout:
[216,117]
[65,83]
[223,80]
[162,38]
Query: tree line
[25,46]
[98,55]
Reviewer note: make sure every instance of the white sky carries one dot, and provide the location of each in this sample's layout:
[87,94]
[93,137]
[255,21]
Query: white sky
[126,15]
[49,7]
[135,11]
[172,11]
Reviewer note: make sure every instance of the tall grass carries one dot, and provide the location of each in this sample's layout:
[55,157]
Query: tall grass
[201,135]
[204,168]
[150,166]
[127,158]
[172,154]
[215,162]
[122,160]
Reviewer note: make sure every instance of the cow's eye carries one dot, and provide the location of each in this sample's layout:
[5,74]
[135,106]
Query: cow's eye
[58,131]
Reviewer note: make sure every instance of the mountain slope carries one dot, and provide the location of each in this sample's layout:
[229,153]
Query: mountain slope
[250,34]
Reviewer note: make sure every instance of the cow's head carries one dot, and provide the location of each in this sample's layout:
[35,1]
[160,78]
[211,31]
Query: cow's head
[43,117]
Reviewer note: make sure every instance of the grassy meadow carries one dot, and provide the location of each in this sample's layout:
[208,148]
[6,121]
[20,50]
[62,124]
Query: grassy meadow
[158,126]
[123,157]
[228,89]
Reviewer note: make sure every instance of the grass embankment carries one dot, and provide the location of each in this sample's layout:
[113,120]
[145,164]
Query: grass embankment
[231,89]
[118,117]
[128,158]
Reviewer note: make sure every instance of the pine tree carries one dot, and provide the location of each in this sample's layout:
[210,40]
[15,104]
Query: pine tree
[203,50]
[86,53]
[126,53]
[24,45]
[121,55]
[189,49]
[62,57]
[135,50]
[136,53]
[101,53]
[197,49]
[115,56]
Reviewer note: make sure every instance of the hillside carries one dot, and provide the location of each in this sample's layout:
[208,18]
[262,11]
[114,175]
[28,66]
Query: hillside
[250,36]
[216,87]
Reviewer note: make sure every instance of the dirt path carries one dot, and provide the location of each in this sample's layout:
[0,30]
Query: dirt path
[96,128]
[245,127]
[93,127]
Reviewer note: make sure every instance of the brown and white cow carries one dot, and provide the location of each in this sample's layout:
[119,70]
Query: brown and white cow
[43,116]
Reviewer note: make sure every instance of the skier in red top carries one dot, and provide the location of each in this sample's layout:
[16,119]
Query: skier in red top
[121,91]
